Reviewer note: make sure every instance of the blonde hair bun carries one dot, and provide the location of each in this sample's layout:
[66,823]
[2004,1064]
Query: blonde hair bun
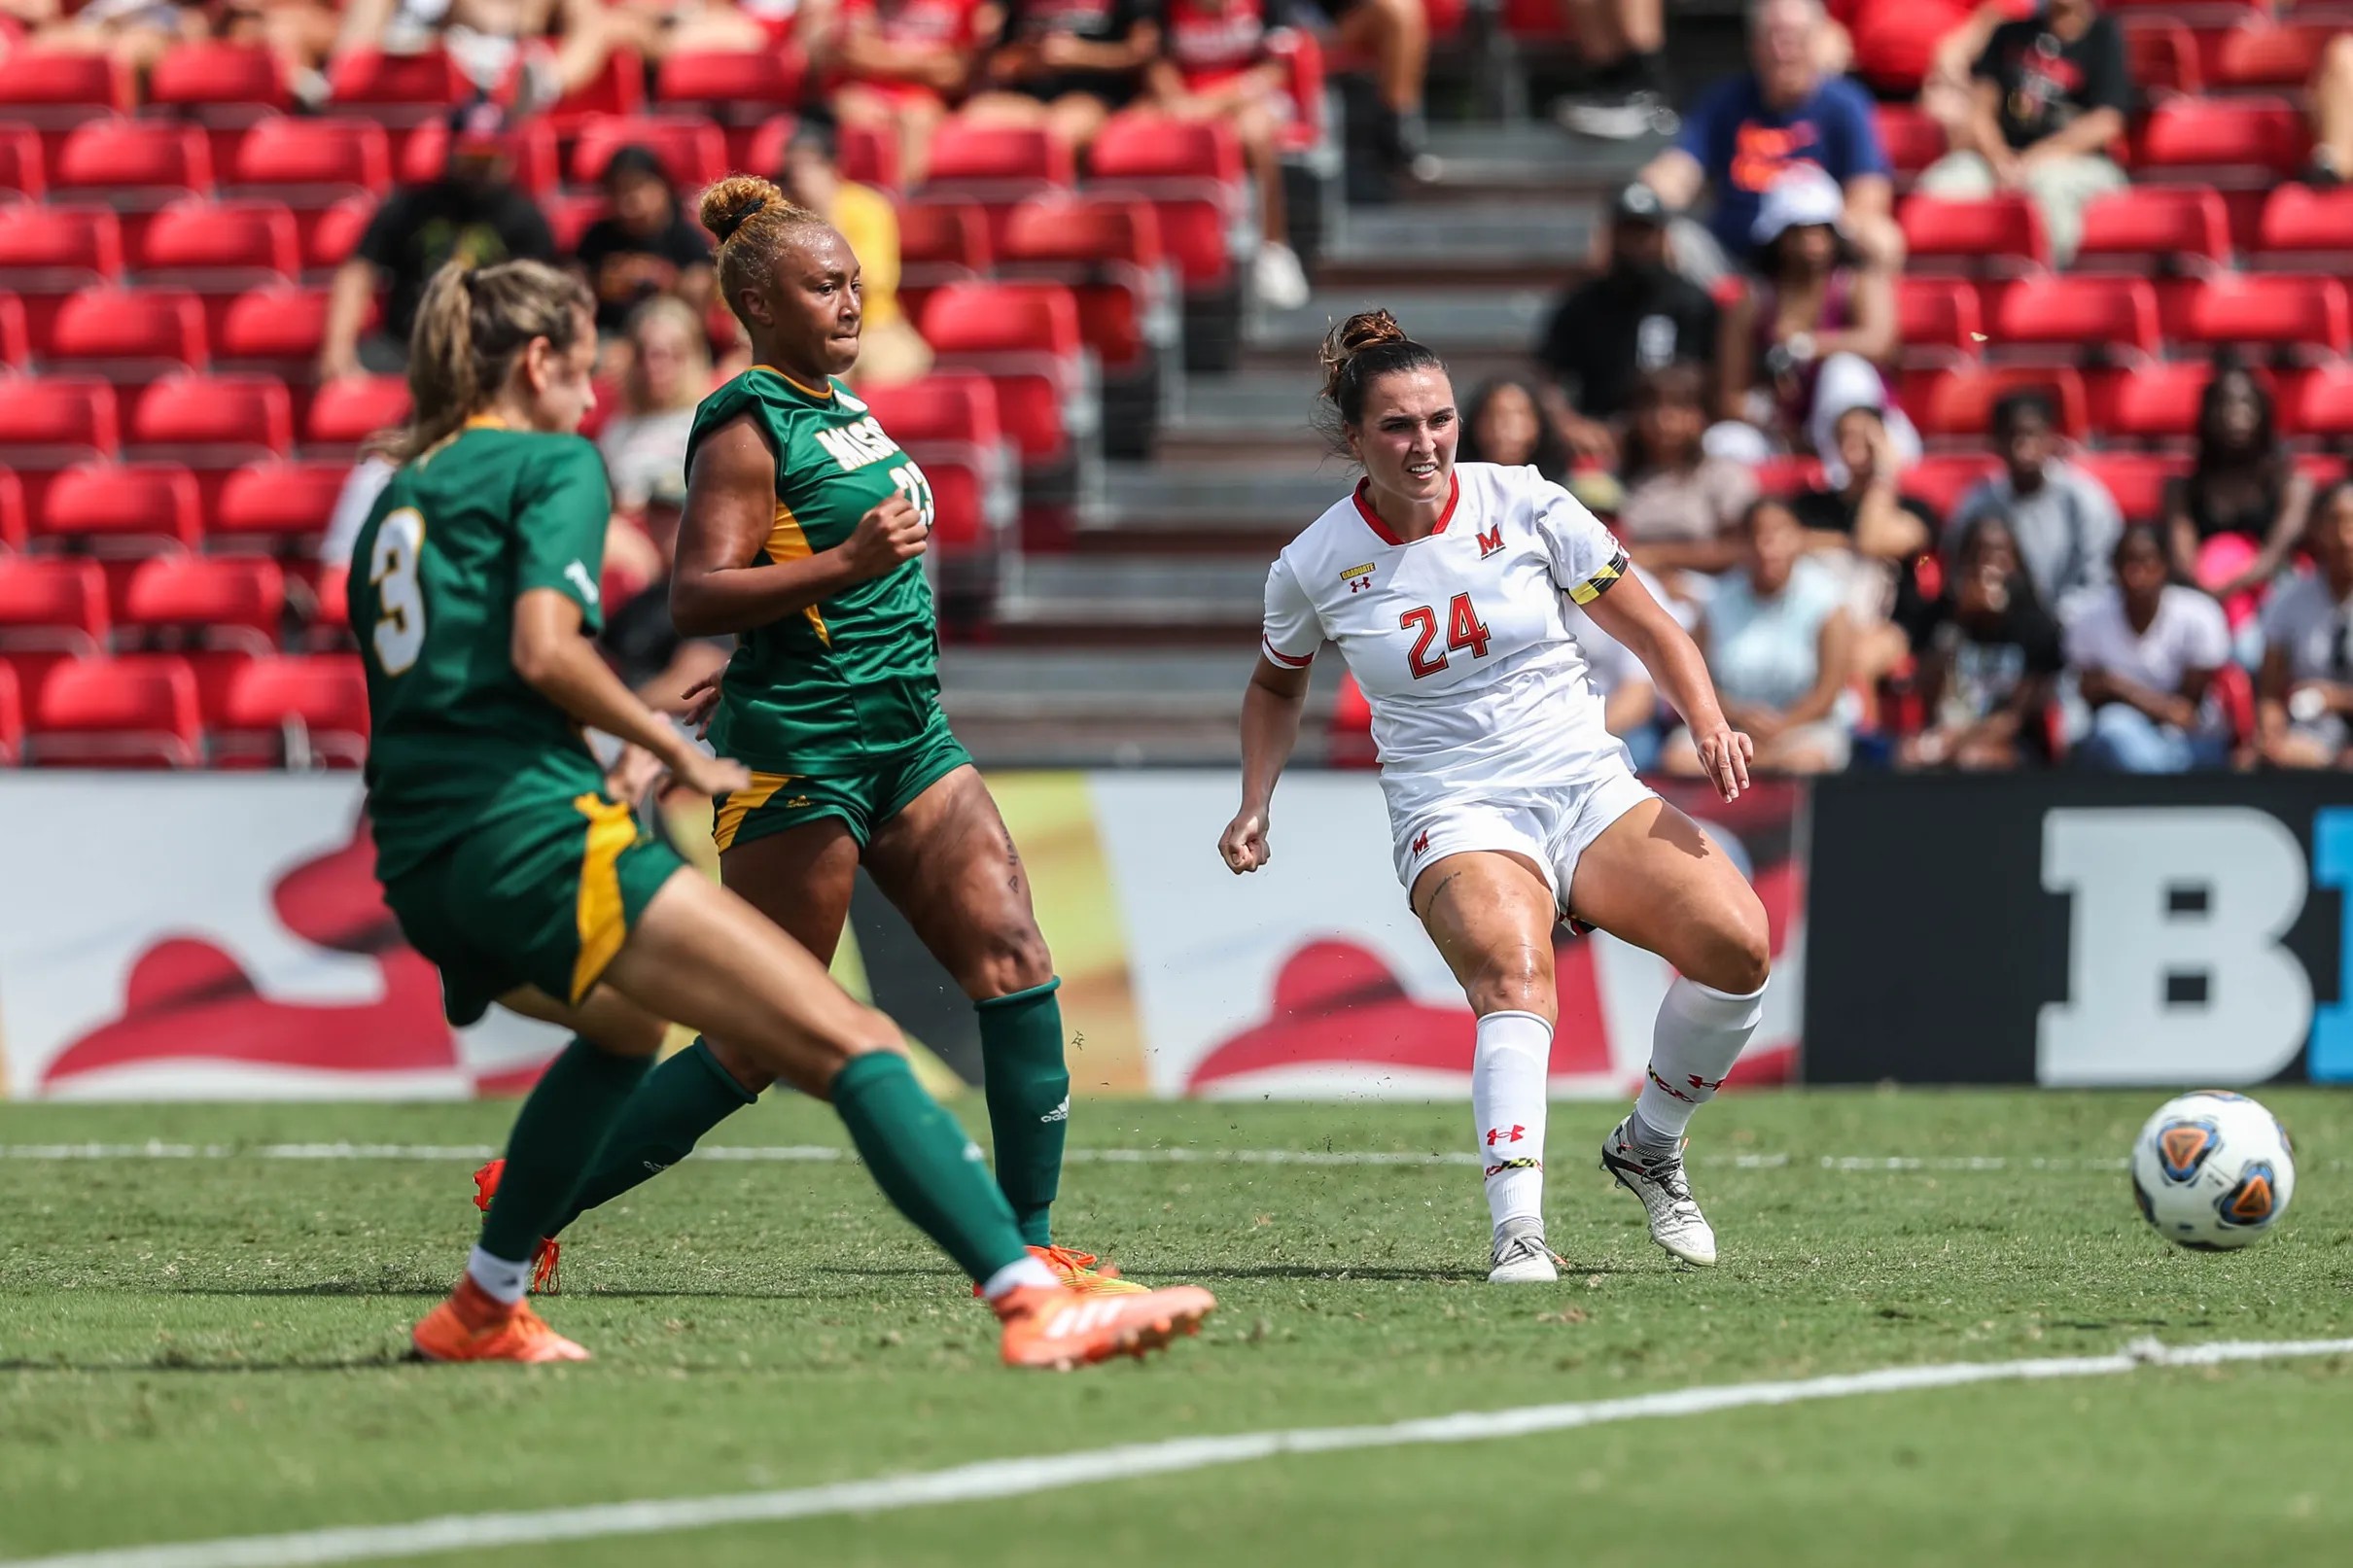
[733,201]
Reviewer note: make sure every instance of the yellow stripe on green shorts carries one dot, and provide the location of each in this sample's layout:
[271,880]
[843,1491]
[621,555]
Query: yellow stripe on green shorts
[742,804]
[604,924]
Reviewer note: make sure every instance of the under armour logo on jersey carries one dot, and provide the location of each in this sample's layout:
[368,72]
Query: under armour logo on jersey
[1499,1134]
[1491,540]
[1358,576]
[1060,1113]
[576,574]
[1422,842]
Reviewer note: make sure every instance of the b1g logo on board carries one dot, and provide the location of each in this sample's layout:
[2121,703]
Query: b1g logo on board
[2176,970]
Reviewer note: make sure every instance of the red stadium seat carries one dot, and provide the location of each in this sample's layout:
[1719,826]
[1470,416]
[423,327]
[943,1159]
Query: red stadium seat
[130,335]
[2259,54]
[948,423]
[314,162]
[281,507]
[15,525]
[2292,315]
[947,405]
[2300,226]
[2061,319]
[1913,140]
[1351,739]
[50,253]
[331,235]
[734,83]
[12,718]
[15,337]
[53,603]
[1959,403]
[2239,143]
[1107,251]
[136,163]
[2150,402]
[22,167]
[116,712]
[869,156]
[220,251]
[119,510]
[2162,57]
[531,146]
[56,421]
[1785,476]
[1191,172]
[219,596]
[1998,234]
[1025,337]
[568,219]
[996,167]
[210,77]
[619,88]
[691,149]
[301,710]
[346,412]
[944,233]
[1942,480]
[2132,227]
[56,88]
[2324,403]
[2136,479]
[398,88]
[212,421]
[1938,320]
[276,326]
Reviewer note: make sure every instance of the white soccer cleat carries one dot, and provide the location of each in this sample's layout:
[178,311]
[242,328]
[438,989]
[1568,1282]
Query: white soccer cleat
[1675,1221]
[1521,1256]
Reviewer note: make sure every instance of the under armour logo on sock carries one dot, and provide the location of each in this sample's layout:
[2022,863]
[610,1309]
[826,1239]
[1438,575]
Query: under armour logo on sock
[1697,1082]
[1060,1113]
[1498,1135]
[1670,1088]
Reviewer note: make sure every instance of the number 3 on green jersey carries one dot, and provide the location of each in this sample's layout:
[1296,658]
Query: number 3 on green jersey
[392,571]
[916,488]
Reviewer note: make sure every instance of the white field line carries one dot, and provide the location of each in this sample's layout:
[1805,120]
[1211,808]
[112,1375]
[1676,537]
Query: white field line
[997,1479]
[823,1154]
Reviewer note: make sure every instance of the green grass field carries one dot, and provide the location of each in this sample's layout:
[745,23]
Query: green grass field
[195,1347]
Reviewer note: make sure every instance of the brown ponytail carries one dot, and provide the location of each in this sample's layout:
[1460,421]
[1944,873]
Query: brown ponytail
[751,220]
[1355,354]
[471,324]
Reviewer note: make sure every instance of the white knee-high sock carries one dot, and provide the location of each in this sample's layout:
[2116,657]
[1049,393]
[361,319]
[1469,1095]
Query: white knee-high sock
[1507,1096]
[1698,1037]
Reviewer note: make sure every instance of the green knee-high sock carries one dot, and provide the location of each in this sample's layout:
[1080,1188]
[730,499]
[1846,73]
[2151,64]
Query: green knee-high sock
[680,1101]
[923,1163]
[1028,1087]
[556,1133]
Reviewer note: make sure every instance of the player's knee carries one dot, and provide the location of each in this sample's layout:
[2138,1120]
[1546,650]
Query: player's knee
[1516,979]
[1738,956]
[1015,959]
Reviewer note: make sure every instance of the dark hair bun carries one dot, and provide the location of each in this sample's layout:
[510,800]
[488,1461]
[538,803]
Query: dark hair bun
[1366,329]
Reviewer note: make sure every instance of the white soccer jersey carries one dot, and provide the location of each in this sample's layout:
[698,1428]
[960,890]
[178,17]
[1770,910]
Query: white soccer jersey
[1476,684]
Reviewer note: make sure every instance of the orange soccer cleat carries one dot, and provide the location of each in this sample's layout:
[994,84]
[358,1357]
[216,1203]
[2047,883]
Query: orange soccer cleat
[544,1278]
[1078,1271]
[1059,1328]
[473,1326]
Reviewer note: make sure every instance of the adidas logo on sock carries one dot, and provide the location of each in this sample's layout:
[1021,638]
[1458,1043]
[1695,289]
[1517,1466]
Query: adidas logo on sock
[1060,1113]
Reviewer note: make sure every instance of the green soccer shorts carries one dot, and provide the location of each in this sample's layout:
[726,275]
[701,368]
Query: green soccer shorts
[541,898]
[864,793]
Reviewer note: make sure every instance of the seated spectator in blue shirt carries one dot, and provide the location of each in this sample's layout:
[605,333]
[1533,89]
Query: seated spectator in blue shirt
[1746,130]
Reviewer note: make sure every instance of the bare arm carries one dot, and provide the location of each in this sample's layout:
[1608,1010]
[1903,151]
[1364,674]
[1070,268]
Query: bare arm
[1677,176]
[1957,50]
[1833,657]
[564,667]
[2181,532]
[1629,613]
[2287,529]
[1736,353]
[1981,132]
[1271,705]
[347,300]
[1883,529]
[2084,133]
[1065,52]
[2100,686]
[719,583]
[1873,335]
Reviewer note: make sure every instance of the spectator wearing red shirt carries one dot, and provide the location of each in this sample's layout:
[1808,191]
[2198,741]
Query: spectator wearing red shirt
[900,63]
[1215,65]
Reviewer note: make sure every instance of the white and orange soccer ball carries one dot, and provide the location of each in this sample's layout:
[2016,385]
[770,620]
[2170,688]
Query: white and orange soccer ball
[2213,1170]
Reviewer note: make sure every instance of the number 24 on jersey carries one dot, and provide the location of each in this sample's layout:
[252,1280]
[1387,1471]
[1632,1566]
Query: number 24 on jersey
[1465,630]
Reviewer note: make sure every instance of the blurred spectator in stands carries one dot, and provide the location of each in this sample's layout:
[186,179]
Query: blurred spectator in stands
[2064,520]
[645,246]
[898,64]
[890,350]
[2145,652]
[1640,314]
[494,43]
[1394,35]
[1778,643]
[669,371]
[1989,658]
[2050,98]
[1863,527]
[137,33]
[1067,66]
[640,639]
[659,28]
[1807,334]
[1746,130]
[1906,50]
[2305,689]
[1503,423]
[1682,507]
[1619,43]
[134,33]
[2231,522]
[473,210]
[1218,67]
[2332,115]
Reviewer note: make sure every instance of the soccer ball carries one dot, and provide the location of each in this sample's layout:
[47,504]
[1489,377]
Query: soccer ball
[2213,1170]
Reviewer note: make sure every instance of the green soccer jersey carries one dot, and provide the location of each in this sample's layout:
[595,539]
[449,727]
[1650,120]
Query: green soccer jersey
[459,739]
[851,677]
